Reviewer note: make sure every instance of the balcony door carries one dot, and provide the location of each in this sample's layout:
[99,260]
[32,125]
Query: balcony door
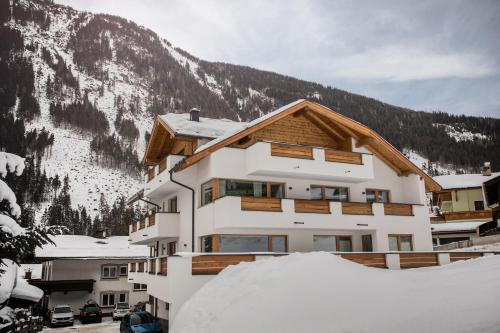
[367,243]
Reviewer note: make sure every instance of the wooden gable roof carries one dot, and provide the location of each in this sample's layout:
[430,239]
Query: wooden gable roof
[337,125]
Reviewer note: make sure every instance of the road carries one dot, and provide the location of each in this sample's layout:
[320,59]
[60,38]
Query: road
[107,326]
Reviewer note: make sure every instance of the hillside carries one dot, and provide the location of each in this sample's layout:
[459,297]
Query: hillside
[95,82]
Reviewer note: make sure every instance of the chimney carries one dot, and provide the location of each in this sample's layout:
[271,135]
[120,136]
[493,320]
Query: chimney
[486,169]
[194,114]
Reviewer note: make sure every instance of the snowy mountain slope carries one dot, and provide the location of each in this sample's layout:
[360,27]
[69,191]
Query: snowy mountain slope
[117,63]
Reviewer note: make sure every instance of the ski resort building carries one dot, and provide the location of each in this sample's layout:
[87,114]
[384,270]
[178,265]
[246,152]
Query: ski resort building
[80,268]
[461,210]
[301,178]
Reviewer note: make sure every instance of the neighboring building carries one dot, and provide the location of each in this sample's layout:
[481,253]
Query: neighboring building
[302,178]
[462,212]
[79,268]
[491,189]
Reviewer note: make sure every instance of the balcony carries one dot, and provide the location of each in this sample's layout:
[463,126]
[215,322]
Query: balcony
[231,212]
[137,272]
[155,227]
[464,215]
[272,159]
[158,174]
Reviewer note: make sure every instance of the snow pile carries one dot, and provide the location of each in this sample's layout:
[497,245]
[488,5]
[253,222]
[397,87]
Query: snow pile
[461,134]
[464,181]
[320,292]
[75,246]
[456,226]
[12,163]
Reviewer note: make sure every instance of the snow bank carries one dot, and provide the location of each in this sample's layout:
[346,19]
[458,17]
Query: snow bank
[319,292]
[12,163]
[464,181]
[456,226]
[75,246]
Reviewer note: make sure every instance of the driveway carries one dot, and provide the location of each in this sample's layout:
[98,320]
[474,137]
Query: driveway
[107,326]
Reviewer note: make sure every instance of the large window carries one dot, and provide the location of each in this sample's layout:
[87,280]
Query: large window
[400,243]
[172,205]
[331,243]
[207,193]
[244,243]
[329,193]
[108,299]
[108,272]
[239,188]
[377,195]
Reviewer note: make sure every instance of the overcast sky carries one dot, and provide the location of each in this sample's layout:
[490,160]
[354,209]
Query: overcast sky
[426,55]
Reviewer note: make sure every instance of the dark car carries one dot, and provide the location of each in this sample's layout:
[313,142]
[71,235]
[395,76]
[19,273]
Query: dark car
[90,313]
[140,322]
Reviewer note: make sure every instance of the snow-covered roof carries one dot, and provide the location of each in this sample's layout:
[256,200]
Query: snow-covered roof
[205,127]
[463,181]
[456,226]
[76,246]
[247,125]
[35,269]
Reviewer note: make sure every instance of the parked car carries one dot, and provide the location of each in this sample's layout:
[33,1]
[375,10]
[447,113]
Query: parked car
[90,313]
[120,310]
[142,322]
[61,315]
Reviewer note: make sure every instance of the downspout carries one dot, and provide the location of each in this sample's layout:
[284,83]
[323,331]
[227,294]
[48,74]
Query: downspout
[171,172]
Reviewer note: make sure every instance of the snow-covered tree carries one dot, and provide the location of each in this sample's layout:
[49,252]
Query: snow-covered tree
[14,239]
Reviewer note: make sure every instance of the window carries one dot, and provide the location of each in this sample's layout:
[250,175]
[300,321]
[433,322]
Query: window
[377,195]
[140,286]
[123,270]
[479,205]
[332,243]
[108,272]
[244,243]
[108,299]
[366,243]
[329,193]
[207,193]
[171,248]
[242,188]
[326,243]
[400,243]
[122,298]
[172,205]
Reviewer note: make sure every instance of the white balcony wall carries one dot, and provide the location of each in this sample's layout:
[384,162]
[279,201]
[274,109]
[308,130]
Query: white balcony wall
[166,227]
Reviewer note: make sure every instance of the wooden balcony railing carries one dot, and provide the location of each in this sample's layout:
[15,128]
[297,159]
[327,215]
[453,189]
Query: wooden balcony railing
[142,224]
[152,266]
[456,256]
[465,215]
[132,267]
[140,267]
[163,266]
[211,265]
[151,219]
[398,209]
[261,204]
[357,208]
[134,227]
[312,206]
[282,150]
[343,156]
[150,174]
[162,165]
[417,259]
[367,259]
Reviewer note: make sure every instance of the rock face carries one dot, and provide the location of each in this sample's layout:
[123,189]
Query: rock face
[112,77]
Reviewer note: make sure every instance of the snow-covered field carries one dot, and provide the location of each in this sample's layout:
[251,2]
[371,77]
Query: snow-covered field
[319,292]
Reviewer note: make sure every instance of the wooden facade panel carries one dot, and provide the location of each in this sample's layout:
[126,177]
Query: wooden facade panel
[140,267]
[357,208]
[261,204]
[132,267]
[398,209]
[291,151]
[163,266]
[466,215]
[456,256]
[367,259]
[152,266]
[312,206]
[416,259]
[296,130]
[151,220]
[142,224]
[162,165]
[150,174]
[210,265]
[339,156]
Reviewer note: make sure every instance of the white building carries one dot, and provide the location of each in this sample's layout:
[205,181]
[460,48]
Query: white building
[302,178]
[81,268]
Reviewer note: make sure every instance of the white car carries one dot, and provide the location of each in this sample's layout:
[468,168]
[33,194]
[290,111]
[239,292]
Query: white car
[120,310]
[61,315]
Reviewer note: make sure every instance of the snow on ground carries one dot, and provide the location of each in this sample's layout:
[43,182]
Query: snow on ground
[319,292]
[461,134]
[486,247]
[107,326]
[77,246]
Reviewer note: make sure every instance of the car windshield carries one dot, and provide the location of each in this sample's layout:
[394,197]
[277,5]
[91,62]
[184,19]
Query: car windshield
[140,318]
[91,308]
[122,306]
[62,309]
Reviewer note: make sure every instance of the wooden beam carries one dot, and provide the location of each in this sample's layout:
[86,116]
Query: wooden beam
[323,126]
[365,140]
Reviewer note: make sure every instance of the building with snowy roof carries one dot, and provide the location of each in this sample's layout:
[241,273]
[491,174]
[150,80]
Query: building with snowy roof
[79,268]
[301,178]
